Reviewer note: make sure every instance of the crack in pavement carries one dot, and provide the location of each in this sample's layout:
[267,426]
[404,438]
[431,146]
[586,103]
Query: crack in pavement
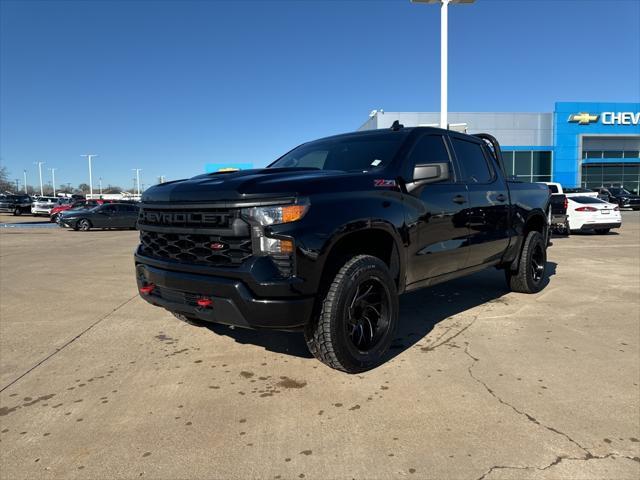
[556,462]
[65,345]
[587,454]
[462,330]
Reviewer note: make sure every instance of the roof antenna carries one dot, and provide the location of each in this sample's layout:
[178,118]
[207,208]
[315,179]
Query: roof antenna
[396,126]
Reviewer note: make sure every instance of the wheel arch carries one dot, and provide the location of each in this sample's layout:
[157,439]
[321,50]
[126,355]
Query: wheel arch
[378,239]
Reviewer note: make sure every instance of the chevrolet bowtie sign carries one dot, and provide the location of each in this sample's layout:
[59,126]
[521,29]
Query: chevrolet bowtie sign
[608,118]
[583,118]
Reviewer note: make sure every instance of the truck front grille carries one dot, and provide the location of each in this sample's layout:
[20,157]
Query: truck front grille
[210,250]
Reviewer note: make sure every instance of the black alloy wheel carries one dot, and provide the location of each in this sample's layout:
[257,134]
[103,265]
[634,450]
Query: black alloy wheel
[367,315]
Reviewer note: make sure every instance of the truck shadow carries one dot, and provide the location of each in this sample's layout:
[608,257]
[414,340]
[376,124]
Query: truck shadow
[420,312]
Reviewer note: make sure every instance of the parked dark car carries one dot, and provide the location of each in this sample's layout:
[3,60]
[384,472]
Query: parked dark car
[16,204]
[111,215]
[325,238]
[621,196]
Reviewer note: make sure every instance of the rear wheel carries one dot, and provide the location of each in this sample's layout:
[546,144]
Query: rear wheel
[54,218]
[531,267]
[602,231]
[567,229]
[17,212]
[84,225]
[357,318]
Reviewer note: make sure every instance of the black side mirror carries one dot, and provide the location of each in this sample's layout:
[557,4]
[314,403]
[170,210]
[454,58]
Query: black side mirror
[429,173]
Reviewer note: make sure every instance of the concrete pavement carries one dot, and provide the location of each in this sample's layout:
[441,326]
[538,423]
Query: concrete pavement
[95,383]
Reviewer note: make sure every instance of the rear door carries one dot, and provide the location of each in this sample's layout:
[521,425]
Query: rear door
[436,215]
[488,213]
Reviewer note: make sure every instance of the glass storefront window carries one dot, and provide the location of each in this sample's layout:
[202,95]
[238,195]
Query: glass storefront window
[541,163]
[507,158]
[631,154]
[594,154]
[612,154]
[522,164]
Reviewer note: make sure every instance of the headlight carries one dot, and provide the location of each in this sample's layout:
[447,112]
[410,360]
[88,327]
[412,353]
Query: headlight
[275,214]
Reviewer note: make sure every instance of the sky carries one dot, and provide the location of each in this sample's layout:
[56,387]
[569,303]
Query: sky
[169,86]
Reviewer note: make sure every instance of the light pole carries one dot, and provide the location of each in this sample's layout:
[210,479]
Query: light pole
[17,185]
[444,53]
[53,180]
[40,174]
[137,170]
[100,183]
[24,172]
[89,156]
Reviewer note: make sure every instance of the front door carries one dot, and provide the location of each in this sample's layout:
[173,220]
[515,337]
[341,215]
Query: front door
[436,215]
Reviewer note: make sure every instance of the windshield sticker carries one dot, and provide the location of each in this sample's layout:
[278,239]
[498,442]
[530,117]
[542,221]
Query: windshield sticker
[376,162]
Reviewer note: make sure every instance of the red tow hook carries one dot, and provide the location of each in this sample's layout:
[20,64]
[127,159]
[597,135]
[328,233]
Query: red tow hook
[204,302]
[147,289]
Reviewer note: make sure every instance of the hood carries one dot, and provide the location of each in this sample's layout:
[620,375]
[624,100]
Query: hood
[253,185]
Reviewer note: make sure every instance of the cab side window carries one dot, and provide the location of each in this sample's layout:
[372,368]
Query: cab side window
[472,161]
[429,149]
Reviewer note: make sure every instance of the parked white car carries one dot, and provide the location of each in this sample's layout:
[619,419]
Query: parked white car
[555,187]
[43,205]
[592,214]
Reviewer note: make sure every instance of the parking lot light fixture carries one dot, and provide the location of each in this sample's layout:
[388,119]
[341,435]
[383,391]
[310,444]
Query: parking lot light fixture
[89,156]
[137,170]
[444,45]
[40,174]
[53,180]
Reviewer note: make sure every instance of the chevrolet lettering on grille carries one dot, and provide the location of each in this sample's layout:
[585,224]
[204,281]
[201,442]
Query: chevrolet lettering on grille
[181,218]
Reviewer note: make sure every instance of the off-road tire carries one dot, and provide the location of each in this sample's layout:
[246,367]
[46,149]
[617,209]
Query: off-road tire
[326,334]
[523,280]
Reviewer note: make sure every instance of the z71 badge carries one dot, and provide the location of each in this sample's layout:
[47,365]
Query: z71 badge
[382,182]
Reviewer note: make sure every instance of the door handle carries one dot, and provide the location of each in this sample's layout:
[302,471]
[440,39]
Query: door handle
[501,198]
[459,199]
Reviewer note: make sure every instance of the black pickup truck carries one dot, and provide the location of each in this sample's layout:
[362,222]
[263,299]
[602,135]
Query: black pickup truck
[16,204]
[325,238]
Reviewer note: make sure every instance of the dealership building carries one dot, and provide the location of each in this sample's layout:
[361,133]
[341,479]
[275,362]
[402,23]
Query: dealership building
[585,144]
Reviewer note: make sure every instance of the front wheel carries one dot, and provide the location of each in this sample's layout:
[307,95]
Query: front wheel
[17,212]
[84,225]
[358,317]
[602,231]
[529,278]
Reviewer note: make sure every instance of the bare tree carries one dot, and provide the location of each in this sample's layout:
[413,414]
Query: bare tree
[5,184]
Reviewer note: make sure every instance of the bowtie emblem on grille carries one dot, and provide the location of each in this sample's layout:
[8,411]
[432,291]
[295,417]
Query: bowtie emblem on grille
[217,246]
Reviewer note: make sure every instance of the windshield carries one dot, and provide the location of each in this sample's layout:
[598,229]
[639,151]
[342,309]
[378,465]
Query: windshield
[350,153]
[586,200]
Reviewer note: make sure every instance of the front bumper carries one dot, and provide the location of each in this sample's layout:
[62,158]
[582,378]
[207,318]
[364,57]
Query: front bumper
[233,303]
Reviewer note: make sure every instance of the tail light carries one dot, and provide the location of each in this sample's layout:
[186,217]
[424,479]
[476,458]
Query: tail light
[586,209]
[566,203]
